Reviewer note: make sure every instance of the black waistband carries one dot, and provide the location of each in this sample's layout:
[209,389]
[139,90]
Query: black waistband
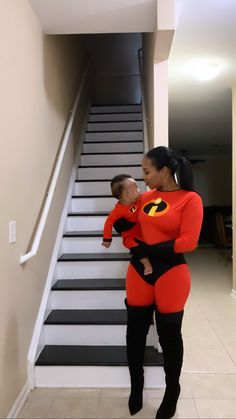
[162,258]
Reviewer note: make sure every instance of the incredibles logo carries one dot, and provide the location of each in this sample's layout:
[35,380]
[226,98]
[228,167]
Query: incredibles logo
[133,209]
[156,208]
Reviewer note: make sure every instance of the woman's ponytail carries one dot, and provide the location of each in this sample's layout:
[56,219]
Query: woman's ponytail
[164,156]
[185,173]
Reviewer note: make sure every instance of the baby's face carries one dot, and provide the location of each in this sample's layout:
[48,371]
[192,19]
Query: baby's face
[131,192]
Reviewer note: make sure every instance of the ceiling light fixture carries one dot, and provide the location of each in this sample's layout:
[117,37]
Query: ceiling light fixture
[204,70]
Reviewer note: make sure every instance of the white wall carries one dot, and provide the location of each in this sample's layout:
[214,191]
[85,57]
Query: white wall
[38,81]
[213,180]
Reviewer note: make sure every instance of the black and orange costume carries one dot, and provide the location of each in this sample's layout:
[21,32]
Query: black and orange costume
[170,224]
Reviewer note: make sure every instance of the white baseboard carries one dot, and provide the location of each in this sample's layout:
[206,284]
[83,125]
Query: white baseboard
[19,403]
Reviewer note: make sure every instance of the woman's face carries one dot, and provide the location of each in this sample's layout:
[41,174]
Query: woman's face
[152,177]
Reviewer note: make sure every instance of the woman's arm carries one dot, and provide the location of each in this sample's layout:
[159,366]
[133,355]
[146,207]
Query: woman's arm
[191,222]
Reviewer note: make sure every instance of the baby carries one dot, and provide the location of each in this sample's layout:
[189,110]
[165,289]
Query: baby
[125,189]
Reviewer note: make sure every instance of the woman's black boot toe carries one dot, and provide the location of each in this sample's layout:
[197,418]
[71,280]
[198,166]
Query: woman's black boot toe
[135,401]
[168,405]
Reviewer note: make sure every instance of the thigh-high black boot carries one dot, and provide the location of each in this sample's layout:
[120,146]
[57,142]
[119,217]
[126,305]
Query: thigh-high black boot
[138,323]
[170,337]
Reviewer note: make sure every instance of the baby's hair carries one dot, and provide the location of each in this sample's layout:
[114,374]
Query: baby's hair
[117,185]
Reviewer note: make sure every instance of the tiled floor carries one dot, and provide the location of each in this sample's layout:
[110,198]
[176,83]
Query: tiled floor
[209,371]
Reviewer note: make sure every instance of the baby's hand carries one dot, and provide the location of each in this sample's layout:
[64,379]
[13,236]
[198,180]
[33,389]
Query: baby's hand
[106,244]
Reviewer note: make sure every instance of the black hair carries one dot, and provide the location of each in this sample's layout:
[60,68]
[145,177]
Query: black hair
[117,184]
[164,156]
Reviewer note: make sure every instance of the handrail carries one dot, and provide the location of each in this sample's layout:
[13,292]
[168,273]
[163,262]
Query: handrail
[145,130]
[44,215]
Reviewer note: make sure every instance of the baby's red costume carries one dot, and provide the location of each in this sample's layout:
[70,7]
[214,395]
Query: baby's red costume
[170,224]
[130,213]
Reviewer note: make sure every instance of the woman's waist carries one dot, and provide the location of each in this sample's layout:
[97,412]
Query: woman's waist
[164,250]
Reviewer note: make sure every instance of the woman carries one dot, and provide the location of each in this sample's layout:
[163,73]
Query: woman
[170,218]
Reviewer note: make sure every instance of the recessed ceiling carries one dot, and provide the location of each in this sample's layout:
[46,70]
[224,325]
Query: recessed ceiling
[95,16]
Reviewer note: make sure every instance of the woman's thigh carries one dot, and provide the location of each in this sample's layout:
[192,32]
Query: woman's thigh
[169,293]
[172,289]
[138,292]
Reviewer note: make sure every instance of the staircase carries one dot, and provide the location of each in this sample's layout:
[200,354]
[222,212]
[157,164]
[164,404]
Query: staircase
[85,324]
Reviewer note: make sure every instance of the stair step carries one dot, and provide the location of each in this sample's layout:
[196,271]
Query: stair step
[112,117]
[114,126]
[114,136]
[115,108]
[113,146]
[108,172]
[95,317]
[92,268]
[86,257]
[87,221]
[86,234]
[90,187]
[89,284]
[90,244]
[88,214]
[93,356]
[92,203]
[111,159]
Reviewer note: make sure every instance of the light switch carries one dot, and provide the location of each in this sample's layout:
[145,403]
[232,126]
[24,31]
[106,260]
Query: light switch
[12,232]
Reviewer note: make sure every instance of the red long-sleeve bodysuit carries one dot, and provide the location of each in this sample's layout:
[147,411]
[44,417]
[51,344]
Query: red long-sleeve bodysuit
[130,213]
[170,224]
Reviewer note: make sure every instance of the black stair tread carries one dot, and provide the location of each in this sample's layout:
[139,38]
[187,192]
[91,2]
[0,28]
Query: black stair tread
[110,152]
[100,180]
[97,317]
[73,257]
[93,355]
[115,113]
[87,214]
[110,165]
[122,140]
[121,120]
[91,196]
[86,234]
[115,130]
[89,284]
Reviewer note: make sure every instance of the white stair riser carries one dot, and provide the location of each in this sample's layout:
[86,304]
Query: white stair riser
[102,377]
[89,299]
[112,147]
[92,269]
[91,204]
[110,159]
[84,223]
[115,117]
[105,335]
[107,172]
[114,126]
[115,108]
[114,136]
[91,245]
[103,188]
